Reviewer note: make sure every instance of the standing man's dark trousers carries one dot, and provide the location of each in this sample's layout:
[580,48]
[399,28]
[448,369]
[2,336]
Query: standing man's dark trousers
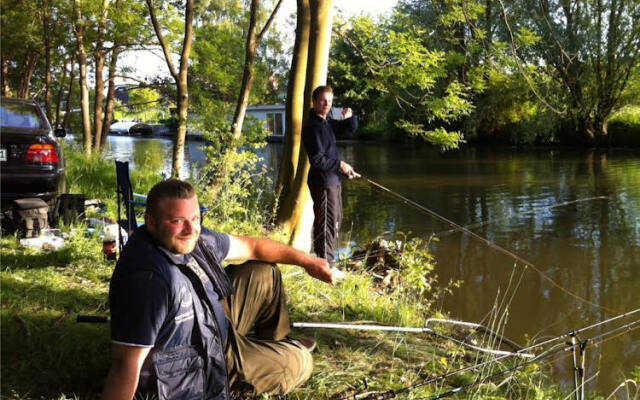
[260,356]
[327,209]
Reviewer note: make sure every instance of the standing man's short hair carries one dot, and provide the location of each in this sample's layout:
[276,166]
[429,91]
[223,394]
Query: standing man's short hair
[321,89]
[172,189]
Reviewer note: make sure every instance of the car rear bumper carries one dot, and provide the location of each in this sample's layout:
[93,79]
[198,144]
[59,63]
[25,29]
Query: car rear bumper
[32,184]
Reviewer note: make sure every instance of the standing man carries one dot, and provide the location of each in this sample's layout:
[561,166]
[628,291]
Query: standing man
[319,138]
[180,323]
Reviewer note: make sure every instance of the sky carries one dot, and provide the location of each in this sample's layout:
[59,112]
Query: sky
[148,64]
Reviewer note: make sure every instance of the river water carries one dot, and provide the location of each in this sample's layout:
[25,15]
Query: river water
[516,200]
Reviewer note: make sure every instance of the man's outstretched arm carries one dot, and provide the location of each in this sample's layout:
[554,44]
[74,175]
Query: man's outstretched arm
[267,250]
[122,380]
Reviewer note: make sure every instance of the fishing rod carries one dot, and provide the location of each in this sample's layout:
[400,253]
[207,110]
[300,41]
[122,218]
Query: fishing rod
[483,240]
[555,349]
[425,329]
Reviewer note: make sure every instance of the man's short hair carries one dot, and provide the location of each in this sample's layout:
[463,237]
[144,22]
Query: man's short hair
[172,189]
[321,89]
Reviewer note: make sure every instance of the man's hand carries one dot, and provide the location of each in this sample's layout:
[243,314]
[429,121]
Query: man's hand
[346,168]
[319,268]
[347,113]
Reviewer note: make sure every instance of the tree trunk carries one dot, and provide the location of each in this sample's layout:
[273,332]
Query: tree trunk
[79,29]
[6,90]
[180,77]
[25,76]
[67,112]
[99,55]
[293,149]
[297,209]
[111,95]
[248,75]
[47,54]
[60,91]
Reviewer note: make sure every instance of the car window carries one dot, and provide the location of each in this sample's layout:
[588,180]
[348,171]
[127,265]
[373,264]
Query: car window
[20,116]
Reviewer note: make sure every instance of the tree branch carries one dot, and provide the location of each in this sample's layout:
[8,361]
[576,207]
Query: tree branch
[269,21]
[161,39]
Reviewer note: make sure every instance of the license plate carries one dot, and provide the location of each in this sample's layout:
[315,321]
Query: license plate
[3,154]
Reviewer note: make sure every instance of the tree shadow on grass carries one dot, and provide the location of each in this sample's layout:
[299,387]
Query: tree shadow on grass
[24,295]
[22,259]
[44,351]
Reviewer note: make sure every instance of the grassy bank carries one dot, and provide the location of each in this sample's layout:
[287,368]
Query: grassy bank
[46,354]
[624,127]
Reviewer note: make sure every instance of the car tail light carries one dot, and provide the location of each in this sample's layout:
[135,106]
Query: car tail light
[42,153]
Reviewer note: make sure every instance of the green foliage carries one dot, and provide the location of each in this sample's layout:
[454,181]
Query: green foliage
[400,80]
[588,59]
[243,186]
[218,58]
[508,112]
[143,98]
[624,127]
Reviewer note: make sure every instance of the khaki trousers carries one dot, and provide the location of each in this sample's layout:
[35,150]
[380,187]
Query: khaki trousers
[260,358]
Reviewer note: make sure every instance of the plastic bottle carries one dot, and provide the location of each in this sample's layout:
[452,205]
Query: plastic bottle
[110,242]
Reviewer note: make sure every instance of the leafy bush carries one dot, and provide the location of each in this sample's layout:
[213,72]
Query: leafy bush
[624,127]
[233,183]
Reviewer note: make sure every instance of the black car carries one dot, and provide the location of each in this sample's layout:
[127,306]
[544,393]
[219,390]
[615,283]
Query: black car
[31,161]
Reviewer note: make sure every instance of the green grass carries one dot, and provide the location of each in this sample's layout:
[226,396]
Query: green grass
[44,351]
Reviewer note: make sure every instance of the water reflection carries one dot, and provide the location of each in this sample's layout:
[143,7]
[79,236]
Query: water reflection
[592,248]
[155,153]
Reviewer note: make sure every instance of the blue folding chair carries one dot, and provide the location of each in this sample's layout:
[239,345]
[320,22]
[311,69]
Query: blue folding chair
[127,199]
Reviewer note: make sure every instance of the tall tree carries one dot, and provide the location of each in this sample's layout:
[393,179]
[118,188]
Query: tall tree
[251,48]
[46,12]
[66,121]
[295,214]
[80,29]
[99,55]
[592,47]
[179,76]
[295,110]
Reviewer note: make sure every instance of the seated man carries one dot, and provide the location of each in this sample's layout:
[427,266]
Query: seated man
[180,323]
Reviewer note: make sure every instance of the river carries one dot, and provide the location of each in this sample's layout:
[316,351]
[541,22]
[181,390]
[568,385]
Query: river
[573,214]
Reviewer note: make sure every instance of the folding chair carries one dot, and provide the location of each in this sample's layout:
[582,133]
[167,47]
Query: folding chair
[128,199]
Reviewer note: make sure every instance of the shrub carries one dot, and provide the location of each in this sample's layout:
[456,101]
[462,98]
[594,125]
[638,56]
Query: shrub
[624,127]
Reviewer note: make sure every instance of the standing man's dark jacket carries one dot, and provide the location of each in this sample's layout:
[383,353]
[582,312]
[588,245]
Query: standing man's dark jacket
[171,302]
[319,138]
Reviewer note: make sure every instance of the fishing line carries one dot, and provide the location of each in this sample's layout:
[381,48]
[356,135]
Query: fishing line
[487,242]
[533,210]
